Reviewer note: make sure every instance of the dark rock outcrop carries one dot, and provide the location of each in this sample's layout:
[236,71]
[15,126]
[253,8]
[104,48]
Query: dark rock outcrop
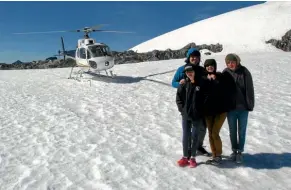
[283,44]
[155,55]
[17,62]
[120,57]
[51,58]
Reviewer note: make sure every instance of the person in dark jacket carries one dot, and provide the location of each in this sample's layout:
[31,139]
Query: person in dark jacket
[193,57]
[189,100]
[215,108]
[242,101]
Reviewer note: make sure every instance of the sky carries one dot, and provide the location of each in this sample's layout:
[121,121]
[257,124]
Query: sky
[146,19]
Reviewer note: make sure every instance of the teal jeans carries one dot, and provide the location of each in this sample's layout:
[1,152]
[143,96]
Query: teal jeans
[237,122]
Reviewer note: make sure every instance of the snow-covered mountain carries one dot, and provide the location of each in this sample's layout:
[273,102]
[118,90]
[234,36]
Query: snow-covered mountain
[242,30]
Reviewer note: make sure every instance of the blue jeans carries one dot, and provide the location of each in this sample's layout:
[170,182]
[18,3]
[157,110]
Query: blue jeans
[237,122]
[193,136]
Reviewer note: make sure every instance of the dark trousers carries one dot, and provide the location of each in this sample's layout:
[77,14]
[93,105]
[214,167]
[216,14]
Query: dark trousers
[193,136]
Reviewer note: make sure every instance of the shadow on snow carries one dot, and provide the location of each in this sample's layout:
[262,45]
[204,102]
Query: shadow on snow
[260,161]
[127,79]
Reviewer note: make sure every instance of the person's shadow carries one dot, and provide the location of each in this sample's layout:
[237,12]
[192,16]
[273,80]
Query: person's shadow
[260,161]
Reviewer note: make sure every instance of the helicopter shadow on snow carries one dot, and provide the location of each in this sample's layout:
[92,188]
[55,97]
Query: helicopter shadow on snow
[128,79]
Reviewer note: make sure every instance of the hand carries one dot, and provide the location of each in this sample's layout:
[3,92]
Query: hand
[213,76]
[182,81]
[209,76]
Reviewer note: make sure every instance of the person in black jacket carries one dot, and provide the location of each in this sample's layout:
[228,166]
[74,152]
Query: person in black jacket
[215,107]
[242,102]
[193,59]
[189,100]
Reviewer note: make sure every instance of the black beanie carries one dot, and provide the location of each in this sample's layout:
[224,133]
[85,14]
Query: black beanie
[188,67]
[211,62]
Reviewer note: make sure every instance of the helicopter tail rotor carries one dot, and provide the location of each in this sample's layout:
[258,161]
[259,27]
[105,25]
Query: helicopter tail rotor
[62,52]
[63,47]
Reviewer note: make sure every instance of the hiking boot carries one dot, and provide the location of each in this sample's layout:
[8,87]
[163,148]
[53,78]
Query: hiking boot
[239,158]
[201,151]
[217,160]
[193,163]
[183,162]
[209,161]
[214,161]
[232,157]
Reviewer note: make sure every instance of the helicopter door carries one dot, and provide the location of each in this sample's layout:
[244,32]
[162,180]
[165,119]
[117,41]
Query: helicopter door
[88,53]
[81,57]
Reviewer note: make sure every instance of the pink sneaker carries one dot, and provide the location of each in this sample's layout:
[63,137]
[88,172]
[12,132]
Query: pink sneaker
[183,162]
[193,163]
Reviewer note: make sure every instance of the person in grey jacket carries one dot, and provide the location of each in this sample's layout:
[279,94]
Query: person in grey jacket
[242,102]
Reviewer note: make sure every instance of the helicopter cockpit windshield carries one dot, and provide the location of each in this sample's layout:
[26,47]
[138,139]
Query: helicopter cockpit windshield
[99,51]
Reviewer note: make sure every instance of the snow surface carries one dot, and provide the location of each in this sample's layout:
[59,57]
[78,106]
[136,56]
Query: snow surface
[125,133]
[242,30]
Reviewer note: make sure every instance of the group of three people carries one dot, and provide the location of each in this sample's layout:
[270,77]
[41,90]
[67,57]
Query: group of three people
[205,98]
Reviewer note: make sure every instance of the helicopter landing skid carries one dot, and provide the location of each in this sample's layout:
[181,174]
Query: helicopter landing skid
[78,75]
[98,73]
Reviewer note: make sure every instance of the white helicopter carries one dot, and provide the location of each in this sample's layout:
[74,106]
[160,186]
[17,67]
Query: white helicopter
[89,54]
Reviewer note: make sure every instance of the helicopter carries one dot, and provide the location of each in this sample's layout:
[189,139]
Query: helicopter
[90,54]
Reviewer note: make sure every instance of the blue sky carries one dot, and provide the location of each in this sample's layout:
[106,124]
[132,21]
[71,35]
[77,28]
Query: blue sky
[147,19]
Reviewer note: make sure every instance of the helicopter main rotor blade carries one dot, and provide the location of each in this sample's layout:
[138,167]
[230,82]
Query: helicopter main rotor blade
[98,26]
[45,32]
[113,31]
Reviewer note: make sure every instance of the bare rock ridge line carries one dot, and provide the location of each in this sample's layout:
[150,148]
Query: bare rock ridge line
[120,57]
[156,55]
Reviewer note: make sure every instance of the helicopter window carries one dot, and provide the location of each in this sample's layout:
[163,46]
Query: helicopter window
[99,51]
[106,50]
[96,51]
[82,53]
